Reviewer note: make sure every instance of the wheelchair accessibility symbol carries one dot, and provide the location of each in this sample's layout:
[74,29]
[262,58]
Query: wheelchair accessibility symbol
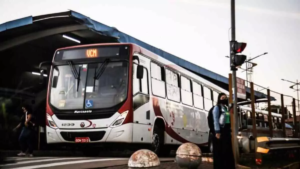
[89,103]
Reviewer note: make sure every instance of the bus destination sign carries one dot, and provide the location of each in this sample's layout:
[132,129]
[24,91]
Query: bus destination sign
[89,53]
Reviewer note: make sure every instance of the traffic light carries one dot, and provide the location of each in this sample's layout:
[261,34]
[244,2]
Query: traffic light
[237,60]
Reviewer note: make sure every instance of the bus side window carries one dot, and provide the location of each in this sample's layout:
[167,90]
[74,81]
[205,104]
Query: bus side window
[136,81]
[215,98]
[158,80]
[186,91]
[145,82]
[197,95]
[172,80]
[207,98]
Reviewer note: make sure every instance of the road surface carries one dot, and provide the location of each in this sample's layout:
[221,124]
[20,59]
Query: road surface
[65,162]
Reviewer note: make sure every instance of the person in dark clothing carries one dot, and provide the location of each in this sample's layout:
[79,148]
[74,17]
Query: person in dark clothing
[27,133]
[222,146]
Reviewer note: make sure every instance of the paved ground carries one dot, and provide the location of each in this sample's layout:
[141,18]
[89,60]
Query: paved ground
[168,165]
[64,162]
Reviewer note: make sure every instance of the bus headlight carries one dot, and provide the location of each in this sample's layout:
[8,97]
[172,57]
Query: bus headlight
[51,122]
[119,121]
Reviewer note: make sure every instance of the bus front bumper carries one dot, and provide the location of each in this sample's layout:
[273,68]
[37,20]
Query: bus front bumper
[121,133]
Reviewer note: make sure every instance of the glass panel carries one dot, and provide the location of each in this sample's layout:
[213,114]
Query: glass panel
[172,78]
[158,88]
[136,82]
[65,95]
[173,93]
[145,82]
[155,71]
[215,94]
[207,93]
[185,84]
[197,89]
[186,97]
[110,89]
[198,101]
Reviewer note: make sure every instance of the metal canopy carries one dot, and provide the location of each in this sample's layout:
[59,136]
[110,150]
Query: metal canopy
[30,28]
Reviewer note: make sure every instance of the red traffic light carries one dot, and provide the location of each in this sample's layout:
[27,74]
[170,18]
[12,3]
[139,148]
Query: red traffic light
[239,47]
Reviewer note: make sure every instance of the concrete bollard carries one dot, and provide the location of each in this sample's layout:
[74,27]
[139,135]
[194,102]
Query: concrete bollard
[188,156]
[143,158]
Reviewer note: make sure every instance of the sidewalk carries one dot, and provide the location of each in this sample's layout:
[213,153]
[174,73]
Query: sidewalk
[167,165]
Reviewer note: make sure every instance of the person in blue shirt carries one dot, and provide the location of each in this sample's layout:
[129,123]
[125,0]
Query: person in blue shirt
[222,146]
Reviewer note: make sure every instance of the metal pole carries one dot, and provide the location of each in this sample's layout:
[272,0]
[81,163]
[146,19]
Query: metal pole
[247,74]
[269,114]
[234,134]
[283,115]
[298,105]
[295,120]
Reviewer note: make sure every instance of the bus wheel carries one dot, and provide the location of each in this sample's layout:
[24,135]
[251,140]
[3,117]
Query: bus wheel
[157,140]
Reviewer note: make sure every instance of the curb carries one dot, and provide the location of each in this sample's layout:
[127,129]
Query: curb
[295,165]
[8,153]
[242,167]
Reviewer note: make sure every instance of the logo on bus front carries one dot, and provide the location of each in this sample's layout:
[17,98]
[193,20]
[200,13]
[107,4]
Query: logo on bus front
[83,111]
[82,124]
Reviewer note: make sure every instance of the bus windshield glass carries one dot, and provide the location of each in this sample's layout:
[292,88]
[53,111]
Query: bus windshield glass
[99,85]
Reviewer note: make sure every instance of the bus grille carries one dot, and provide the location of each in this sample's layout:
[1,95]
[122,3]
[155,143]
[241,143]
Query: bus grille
[83,116]
[94,136]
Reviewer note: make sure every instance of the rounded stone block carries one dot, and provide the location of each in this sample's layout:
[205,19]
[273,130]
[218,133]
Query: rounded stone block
[143,158]
[188,156]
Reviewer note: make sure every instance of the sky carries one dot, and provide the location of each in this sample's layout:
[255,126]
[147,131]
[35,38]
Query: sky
[197,30]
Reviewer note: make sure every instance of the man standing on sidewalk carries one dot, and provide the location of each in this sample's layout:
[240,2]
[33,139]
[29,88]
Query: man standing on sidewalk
[27,133]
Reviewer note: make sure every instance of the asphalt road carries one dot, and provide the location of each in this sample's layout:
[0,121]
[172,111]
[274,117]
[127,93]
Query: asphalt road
[65,162]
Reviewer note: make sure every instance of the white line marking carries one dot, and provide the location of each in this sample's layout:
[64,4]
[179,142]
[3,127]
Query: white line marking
[26,158]
[71,162]
[37,161]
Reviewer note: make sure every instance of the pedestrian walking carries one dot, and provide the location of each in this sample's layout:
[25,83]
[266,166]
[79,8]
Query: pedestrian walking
[26,137]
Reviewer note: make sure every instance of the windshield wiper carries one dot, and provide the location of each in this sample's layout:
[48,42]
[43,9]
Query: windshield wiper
[75,73]
[99,71]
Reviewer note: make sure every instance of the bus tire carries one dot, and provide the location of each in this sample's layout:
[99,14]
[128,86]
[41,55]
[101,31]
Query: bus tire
[157,140]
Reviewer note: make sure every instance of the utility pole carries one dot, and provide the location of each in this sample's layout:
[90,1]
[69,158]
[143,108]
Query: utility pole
[235,61]
[233,68]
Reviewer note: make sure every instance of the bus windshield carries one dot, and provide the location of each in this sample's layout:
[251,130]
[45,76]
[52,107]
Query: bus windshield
[95,87]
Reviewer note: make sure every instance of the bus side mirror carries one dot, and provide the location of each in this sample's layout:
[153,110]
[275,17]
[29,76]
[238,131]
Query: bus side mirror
[42,78]
[54,81]
[140,72]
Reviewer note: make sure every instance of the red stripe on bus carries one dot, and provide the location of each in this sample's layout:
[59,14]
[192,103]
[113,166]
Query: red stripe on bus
[168,129]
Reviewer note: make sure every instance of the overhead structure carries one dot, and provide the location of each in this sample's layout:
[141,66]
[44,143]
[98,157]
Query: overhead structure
[48,32]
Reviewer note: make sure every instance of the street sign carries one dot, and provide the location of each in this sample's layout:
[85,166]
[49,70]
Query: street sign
[241,89]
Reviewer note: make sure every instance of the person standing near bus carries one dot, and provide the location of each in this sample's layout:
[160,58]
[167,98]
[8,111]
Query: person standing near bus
[27,133]
[222,146]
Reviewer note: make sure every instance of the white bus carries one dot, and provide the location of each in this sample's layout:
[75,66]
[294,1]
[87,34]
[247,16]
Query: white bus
[123,93]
